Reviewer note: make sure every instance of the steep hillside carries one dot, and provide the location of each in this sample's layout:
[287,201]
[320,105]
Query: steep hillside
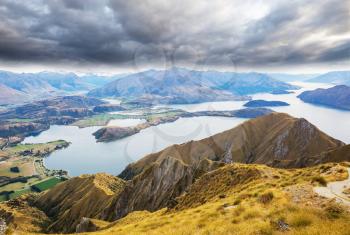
[336,97]
[335,77]
[84,196]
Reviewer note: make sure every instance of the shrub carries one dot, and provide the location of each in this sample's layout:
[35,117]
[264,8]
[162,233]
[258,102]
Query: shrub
[266,197]
[319,179]
[301,221]
[334,210]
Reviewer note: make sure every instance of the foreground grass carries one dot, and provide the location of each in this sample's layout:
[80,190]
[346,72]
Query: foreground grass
[245,199]
[259,205]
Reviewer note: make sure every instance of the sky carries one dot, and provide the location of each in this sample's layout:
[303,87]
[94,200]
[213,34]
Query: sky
[111,36]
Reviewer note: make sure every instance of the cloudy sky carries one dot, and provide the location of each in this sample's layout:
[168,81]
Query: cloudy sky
[120,35]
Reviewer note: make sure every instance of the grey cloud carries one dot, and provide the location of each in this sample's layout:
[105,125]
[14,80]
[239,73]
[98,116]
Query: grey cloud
[123,33]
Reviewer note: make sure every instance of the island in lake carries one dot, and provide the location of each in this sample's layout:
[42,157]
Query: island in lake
[265,103]
[335,97]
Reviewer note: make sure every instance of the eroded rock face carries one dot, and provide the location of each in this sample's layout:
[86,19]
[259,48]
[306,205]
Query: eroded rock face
[154,188]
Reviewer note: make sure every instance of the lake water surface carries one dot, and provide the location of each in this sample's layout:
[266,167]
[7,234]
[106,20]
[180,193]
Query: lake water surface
[84,155]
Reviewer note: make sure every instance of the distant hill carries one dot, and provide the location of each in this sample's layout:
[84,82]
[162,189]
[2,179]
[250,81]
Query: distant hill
[336,78]
[336,97]
[178,85]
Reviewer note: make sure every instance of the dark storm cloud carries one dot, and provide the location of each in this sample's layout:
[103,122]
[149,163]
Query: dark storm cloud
[121,33]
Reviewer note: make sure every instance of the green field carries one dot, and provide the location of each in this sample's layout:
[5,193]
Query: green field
[20,192]
[3,198]
[34,147]
[46,184]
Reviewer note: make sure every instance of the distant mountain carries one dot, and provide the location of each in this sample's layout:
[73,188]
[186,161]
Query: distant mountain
[98,80]
[170,86]
[23,87]
[250,83]
[178,85]
[292,77]
[336,97]
[336,78]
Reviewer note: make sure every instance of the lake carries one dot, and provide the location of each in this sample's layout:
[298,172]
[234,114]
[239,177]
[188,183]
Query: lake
[84,155]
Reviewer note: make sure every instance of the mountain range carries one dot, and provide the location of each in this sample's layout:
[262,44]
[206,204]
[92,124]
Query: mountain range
[179,85]
[18,88]
[190,175]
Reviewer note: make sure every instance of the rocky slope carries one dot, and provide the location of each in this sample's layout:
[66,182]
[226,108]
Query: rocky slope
[336,97]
